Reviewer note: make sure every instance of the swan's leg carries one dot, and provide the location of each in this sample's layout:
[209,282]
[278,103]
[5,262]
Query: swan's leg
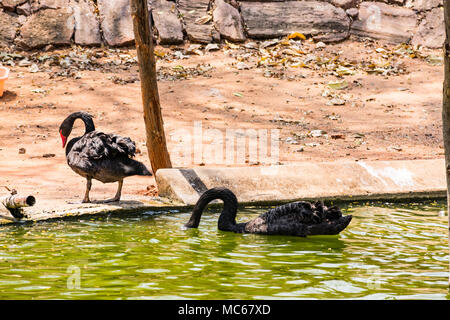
[118,193]
[88,188]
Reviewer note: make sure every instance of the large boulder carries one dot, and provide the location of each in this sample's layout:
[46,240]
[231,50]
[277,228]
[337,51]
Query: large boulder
[8,28]
[228,21]
[382,21]
[47,26]
[116,22]
[197,23]
[431,31]
[322,20]
[87,26]
[165,16]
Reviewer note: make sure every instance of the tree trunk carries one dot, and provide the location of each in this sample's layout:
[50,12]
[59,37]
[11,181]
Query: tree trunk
[446,105]
[156,139]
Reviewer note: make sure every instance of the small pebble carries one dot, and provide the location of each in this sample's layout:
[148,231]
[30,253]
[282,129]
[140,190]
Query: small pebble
[320,45]
[352,12]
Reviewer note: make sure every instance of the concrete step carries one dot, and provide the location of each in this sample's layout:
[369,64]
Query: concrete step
[357,180]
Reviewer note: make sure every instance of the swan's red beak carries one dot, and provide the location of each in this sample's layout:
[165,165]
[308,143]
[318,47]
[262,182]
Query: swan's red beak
[63,138]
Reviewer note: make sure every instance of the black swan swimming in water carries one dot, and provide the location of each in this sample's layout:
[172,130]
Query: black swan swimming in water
[100,156]
[295,219]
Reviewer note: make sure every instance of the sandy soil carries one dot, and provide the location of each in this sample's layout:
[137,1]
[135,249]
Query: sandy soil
[385,117]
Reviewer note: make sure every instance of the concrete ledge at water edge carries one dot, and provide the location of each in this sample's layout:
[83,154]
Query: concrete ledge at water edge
[310,181]
[48,209]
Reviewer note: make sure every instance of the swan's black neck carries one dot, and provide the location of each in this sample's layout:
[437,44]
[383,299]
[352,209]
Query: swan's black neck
[70,144]
[67,124]
[227,219]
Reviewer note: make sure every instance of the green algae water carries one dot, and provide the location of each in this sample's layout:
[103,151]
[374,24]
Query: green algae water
[388,252]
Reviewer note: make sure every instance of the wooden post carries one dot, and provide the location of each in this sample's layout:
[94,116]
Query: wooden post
[446,106]
[156,139]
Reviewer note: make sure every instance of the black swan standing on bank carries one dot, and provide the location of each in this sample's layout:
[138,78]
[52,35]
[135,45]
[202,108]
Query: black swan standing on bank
[295,219]
[100,156]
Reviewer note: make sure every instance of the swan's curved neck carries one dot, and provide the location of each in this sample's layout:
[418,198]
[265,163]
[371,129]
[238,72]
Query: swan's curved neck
[227,219]
[70,144]
[67,125]
[87,119]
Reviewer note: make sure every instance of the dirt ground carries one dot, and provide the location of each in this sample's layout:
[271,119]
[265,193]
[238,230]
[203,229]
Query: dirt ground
[392,105]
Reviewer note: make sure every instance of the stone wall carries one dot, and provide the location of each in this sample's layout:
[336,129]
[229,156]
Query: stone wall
[31,24]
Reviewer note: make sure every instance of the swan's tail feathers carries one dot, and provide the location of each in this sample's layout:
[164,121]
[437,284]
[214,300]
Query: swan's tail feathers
[342,223]
[333,213]
[123,145]
[322,212]
[145,171]
[133,167]
[330,227]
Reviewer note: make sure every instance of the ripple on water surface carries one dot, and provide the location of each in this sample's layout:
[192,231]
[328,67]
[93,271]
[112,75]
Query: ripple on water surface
[388,251]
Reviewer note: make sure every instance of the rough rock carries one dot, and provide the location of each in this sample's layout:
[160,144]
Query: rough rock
[396,2]
[228,21]
[344,4]
[8,28]
[116,22]
[431,31]
[165,16]
[423,5]
[195,13]
[24,9]
[273,19]
[382,21]
[46,27]
[10,5]
[352,12]
[87,26]
[48,4]
[34,5]
[52,4]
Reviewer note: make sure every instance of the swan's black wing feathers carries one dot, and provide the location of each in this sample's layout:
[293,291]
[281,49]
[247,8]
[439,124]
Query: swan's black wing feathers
[98,145]
[301,219]
[105,157]
[294,212]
